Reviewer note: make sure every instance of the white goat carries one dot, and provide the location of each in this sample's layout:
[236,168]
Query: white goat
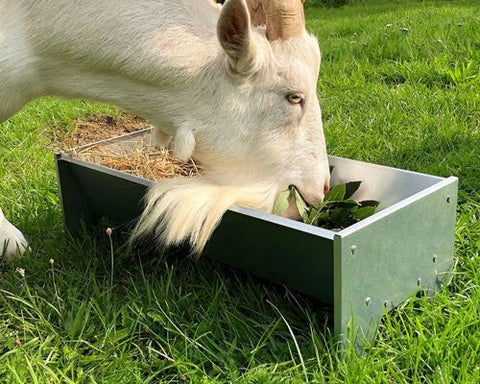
[234,86]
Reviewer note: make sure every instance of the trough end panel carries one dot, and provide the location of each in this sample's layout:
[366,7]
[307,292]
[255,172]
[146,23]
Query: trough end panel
[388,261]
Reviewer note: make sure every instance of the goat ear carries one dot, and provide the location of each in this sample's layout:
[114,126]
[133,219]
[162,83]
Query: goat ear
[234,34]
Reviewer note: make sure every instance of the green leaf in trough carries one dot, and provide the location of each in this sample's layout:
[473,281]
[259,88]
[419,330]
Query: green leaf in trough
[369,203]
[301,205]
[311,216]
[282,202]
[341,203]
[336,193]
[363,212]
[336,212]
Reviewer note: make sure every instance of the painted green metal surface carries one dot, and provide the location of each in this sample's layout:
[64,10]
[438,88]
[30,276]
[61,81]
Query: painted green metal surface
[246,239]
[89,193]
[300,260]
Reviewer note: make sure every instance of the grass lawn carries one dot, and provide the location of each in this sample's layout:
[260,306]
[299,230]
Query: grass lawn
[399,86]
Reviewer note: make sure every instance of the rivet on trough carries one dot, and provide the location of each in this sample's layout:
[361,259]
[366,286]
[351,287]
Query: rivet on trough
[368,301]
[387,304]
[419,282]
[353,250]
[435,258]
[448,199]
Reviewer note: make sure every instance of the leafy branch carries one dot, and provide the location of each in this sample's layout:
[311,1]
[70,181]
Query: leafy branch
[336,211]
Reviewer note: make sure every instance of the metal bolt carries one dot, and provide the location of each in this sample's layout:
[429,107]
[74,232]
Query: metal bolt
[419,282]
[368,301]
[448,199]
[435,258]
[387,304]
[353,250]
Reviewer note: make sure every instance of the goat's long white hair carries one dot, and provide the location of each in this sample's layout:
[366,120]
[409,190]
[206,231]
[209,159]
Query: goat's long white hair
[188,210]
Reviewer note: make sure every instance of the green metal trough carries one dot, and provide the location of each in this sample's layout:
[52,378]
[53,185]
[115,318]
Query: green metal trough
[361,271]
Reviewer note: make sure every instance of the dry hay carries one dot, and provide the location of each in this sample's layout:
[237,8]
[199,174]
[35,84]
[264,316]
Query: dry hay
[147,162]
[100,127]
[133,154]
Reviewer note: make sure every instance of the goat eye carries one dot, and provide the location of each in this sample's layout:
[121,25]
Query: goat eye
[295,98]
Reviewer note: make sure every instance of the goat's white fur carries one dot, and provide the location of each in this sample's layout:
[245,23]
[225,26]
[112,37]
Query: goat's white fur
[12,242]
[189,210]
[213,97]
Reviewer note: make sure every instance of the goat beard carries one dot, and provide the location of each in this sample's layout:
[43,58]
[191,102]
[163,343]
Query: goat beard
[182,211]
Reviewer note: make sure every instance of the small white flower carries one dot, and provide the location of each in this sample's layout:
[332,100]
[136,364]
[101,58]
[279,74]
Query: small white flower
[20,271]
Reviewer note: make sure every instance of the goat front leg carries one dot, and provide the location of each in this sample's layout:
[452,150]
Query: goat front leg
[160,139]
[12,241]
[183,144]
